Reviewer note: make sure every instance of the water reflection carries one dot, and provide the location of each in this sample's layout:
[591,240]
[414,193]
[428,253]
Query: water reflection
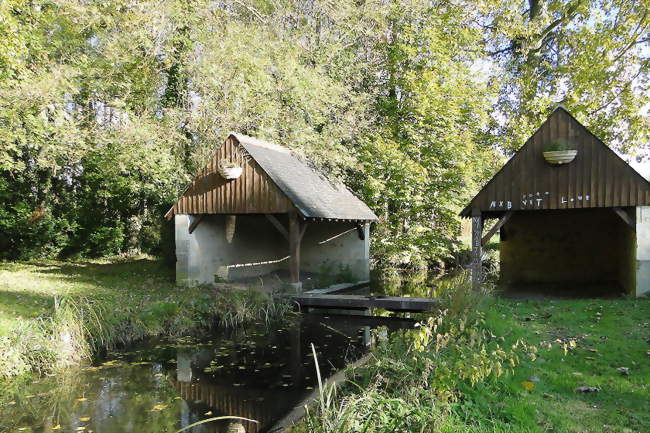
[161,386]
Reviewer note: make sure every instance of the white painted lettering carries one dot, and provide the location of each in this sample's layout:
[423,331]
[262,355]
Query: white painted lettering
[563,200]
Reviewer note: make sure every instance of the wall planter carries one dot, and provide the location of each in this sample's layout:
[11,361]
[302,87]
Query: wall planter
[558,157]
[230,173]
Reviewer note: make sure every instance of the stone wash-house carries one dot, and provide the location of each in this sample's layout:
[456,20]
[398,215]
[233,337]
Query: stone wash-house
[581,227]
[280,216]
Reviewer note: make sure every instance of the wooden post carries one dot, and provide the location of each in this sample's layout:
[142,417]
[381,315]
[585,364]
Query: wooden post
[477,265]
[294,247]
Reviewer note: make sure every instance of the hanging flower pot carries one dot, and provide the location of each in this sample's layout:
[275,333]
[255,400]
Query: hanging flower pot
[230,172]
[560,151]
[558,157]
[232,166]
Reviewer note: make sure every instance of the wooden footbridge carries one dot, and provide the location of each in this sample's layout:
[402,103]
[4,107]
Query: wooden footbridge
[361,302]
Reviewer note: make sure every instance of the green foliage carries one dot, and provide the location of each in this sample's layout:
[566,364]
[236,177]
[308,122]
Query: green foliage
[590,55]
[559,144]
[107,109]
[417,375]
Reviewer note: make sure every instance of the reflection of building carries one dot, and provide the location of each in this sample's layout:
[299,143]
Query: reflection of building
[262,405]
[267,394]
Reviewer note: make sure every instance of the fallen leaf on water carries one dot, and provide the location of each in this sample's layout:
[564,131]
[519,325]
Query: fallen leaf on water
[158,407]
[82,399]
[84,418]
[57,427]
[81,428]
[208,413]
[158,375]
[528,385]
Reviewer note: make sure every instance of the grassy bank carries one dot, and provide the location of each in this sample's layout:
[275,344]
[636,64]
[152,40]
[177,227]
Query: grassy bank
[56,314]
[497,365]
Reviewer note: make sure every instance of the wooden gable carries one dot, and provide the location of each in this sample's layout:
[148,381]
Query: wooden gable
[253,192]
[597,177]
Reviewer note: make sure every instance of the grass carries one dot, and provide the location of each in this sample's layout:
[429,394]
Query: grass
[581,343]
[491,365]
[58,313]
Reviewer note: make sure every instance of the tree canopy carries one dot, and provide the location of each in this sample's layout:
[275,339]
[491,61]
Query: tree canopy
[107,109]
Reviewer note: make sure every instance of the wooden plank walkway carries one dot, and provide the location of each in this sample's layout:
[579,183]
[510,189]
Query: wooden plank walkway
[359,302]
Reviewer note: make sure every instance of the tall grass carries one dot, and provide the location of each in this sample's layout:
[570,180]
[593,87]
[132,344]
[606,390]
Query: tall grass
[81,327]
[415,377]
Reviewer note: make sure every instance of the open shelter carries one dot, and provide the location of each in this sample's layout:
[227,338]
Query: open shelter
[258,208]
[577,225]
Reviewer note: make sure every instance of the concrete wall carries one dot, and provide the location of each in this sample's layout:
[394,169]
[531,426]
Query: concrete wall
[567,247]
[642,250]
[206,252]
[257,249]
[334,246]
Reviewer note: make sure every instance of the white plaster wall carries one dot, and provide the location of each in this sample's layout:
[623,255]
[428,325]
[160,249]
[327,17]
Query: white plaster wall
[206,252]
[334,245]
[642,250]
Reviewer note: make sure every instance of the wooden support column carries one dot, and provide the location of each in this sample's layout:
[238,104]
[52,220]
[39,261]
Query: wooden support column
[296,232]
[477,253]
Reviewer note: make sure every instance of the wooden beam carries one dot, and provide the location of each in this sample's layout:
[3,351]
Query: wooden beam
[303,229]
[361,302]
[625,217]
[195,222]
[504,219]
[277,225]
[477,265]
[294,247]
[361,232]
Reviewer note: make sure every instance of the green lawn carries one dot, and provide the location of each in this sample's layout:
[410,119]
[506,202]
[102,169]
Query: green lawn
[608,334]
[59,313]
[450,382]
[28,290]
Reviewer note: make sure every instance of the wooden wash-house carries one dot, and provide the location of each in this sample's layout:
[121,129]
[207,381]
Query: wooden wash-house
[577,223]
[273,212]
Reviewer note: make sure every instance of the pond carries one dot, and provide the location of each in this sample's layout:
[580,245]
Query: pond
[258,372]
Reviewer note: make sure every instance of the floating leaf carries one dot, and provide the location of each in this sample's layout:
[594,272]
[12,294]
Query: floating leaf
[208,413]
[84,418]
[158,407]
[82,399]
[57,427]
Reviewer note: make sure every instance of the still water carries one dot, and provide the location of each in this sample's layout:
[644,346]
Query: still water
[257,372]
